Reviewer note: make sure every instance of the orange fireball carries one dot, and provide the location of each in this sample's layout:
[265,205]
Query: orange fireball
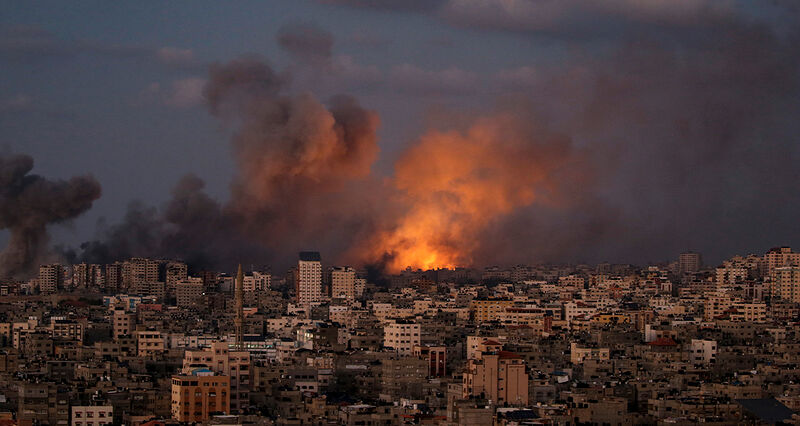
[454,184]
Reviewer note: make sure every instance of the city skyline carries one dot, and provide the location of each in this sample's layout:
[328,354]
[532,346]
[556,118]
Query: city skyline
[544,344]
[399,212]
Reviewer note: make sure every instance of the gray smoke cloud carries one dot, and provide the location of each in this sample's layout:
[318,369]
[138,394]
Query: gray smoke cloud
[191,226]
[301,164]
[694,140]
[681,137]
[28,204]
[685,110]
[298,159]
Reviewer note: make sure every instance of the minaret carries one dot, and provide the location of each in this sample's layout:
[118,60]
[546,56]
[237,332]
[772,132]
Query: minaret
[239,300]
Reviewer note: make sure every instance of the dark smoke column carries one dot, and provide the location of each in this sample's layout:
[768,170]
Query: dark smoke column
[28,203]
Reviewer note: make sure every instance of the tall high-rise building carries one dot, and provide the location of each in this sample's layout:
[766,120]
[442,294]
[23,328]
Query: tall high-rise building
[97,275]
[239,318]
[113,278]
[343,282]
[138,271]
[173,273]
[778,257]
[81,275]
[689,262]
[786,283]
[50,278]
[210,281]
[188,291]
[308,283]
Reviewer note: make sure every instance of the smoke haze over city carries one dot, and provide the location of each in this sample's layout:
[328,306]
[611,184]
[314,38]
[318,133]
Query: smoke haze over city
[400,212]
[622,131]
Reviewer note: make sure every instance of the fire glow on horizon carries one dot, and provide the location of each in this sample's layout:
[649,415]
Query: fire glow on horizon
[455,184]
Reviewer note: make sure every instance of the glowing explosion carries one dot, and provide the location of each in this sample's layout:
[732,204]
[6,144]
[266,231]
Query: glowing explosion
[455,184]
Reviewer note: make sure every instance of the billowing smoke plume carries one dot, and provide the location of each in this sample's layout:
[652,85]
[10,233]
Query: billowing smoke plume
[300,165]
[297,158]
[654,142]
[455,184]
[29,203]
[288,147]
[191,226]
[689,135]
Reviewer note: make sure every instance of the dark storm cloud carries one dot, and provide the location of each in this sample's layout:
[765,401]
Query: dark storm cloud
[28,204]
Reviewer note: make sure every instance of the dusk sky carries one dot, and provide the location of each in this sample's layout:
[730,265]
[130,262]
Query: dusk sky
[546,130]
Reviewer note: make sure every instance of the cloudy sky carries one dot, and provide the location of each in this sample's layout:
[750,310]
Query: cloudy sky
[653,126]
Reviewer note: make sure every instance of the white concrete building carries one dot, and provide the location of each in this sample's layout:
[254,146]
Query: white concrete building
[402,336]
[703,351]
[308,283]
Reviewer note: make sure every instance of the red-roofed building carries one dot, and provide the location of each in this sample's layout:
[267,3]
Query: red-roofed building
[509,355]
[663,345]
[663,342]
[157,307]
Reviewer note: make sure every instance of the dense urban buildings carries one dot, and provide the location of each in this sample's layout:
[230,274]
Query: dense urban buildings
[677,343]
[395,212]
